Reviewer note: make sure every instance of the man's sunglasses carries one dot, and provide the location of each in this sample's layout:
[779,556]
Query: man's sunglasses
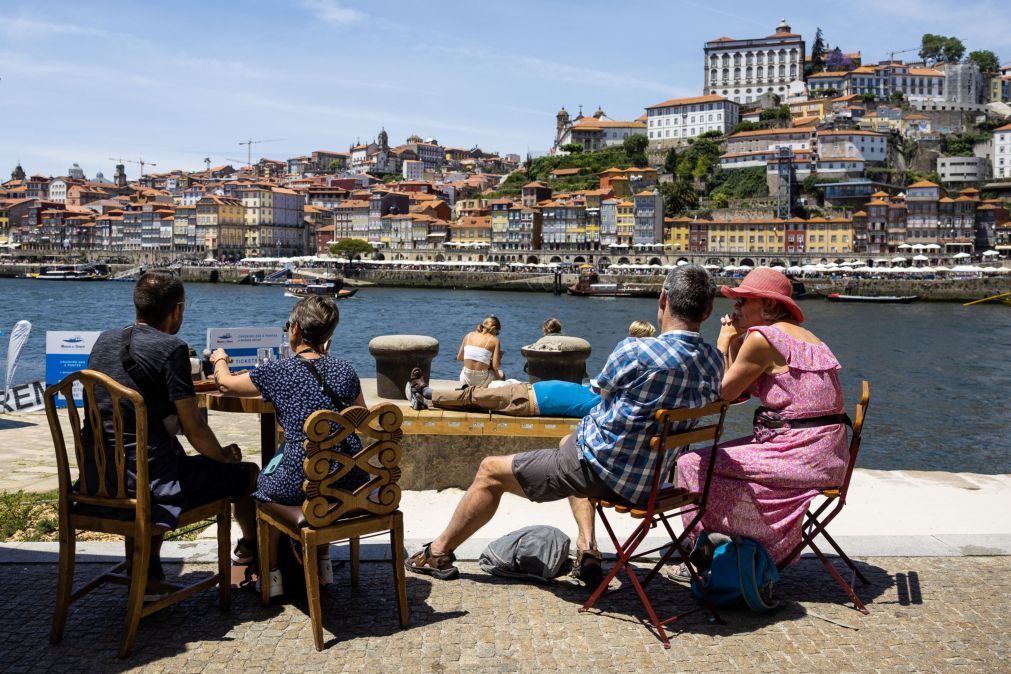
[287,326]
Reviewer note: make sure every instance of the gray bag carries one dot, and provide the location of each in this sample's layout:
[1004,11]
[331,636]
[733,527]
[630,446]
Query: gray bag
[535,553]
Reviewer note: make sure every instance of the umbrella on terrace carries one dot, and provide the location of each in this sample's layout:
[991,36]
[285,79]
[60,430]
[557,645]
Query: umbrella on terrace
[961,256]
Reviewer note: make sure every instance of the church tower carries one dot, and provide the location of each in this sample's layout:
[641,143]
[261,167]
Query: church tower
[561,123]
[18,173]
[384,140]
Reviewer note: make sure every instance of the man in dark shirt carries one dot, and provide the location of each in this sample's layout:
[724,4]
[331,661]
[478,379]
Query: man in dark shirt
[162,362]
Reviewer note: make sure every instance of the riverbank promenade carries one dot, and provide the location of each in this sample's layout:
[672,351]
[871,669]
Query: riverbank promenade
[936,548]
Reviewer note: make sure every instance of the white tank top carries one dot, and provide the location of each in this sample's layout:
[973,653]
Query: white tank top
[478,353]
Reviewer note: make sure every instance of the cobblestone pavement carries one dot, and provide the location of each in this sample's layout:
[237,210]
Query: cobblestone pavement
[926,614]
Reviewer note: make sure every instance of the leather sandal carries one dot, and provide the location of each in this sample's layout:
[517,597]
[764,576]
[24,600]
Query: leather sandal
[438,566]
[588,568]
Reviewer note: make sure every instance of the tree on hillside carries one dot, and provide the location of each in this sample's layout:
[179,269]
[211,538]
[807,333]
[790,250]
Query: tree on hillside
[351,248]
[986,60]
[678,196]
[697,161]
[572,148]
[335,166]
[670,161]
[938,48]
[780,115]
[745,125]
[818,53]
[635,147]
[837,61]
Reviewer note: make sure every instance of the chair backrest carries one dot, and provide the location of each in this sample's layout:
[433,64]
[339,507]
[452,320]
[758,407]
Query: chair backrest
[325,430]
[105,485]
[678,430]
[858,427]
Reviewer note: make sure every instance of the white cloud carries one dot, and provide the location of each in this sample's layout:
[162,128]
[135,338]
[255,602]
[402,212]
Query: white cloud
[332,11]
[32,29]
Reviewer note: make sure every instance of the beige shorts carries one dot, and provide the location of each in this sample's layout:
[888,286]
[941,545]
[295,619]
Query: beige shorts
[476,378]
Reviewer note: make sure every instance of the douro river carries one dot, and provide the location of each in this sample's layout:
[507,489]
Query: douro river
[939,373]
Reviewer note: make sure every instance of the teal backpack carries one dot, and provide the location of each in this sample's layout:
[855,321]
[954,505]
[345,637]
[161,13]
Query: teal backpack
[735,571]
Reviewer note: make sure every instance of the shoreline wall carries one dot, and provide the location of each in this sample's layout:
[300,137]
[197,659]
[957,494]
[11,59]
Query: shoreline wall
[944,290]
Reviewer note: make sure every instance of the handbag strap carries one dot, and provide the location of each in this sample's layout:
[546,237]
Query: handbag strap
[323,386]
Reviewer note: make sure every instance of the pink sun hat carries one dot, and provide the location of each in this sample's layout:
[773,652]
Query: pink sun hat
[767,284]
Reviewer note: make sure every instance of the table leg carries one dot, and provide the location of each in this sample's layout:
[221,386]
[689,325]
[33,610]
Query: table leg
[268,437]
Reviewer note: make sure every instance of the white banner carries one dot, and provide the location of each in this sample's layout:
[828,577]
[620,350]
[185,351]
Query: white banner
[19,337]
[25,397]
[247,347]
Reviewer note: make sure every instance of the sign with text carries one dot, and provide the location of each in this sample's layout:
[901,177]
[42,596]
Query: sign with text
[246,346]
[67,352]
[24,397]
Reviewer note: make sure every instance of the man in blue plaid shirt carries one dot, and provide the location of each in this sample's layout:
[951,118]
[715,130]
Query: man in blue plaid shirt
[609,456]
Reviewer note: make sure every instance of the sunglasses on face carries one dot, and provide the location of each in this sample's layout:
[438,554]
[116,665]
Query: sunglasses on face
[287,326]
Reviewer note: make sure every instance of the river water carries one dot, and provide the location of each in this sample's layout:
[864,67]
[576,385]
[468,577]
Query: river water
[939,373]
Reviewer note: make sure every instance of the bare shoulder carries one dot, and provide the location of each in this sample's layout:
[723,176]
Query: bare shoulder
[797,332]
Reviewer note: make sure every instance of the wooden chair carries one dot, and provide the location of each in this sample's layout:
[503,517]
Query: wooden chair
[818,519]
[332,514]
[665,503]
[94,507]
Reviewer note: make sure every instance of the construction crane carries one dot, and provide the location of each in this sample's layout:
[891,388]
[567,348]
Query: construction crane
[891,55]
[249,147]
[134,161]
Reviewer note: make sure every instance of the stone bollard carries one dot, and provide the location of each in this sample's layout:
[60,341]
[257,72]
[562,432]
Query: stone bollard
[557,357]
[396,356]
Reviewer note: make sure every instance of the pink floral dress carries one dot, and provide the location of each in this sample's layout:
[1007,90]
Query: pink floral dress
[761,488]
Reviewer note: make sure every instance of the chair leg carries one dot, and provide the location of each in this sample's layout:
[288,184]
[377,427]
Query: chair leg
[141,556]
[312,591]
[397,548]
[224,559]
[842,555]
[263,562]
[64,583]
[354,554]
[840,580]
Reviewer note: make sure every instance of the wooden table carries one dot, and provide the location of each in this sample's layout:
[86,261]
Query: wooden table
[219,402]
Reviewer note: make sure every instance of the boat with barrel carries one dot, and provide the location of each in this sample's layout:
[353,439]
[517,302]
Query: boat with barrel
[589,285]
[874,299]
[73,272]
[300,288]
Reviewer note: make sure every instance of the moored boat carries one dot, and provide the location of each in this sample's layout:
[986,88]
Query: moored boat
[877,299]
[300,289]
[74,272]
[588,286]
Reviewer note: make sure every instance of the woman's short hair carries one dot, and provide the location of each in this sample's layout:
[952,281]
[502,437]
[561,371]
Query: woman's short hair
[316,317]
[641,329]
[552,326]
[156,294]
[490,325]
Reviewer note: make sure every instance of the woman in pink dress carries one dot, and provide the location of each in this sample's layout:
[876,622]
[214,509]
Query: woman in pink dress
[762,484]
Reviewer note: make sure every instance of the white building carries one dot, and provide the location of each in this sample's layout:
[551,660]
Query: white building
[1002,152]
[58,190]
[962,169]
[865,145]
[413,169]
[679,119]
[595,132]
[743,70]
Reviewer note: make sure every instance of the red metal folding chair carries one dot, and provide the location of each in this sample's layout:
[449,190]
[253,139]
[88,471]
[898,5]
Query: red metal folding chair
[666,502]
[818,519]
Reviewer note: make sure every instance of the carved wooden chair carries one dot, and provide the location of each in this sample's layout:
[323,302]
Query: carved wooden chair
[835,497]
[332,514]
[665,503]
[105,506]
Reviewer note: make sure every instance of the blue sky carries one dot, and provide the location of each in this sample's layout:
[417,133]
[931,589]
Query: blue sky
[175,82]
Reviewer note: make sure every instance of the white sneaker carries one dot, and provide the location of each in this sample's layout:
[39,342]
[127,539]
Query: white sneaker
[276,584]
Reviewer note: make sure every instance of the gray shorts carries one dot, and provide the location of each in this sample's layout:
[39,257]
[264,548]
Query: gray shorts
[554,474]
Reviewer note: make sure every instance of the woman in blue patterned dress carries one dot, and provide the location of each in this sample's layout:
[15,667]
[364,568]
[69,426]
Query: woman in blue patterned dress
[297,387]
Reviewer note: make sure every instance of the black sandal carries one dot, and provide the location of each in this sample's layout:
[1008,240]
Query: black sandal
[588,568]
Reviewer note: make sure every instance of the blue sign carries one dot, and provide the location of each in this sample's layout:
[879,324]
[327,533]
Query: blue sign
[66,353]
